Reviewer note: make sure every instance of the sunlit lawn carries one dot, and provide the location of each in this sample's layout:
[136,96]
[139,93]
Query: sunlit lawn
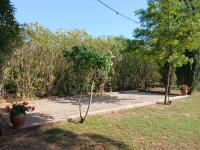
[154,127]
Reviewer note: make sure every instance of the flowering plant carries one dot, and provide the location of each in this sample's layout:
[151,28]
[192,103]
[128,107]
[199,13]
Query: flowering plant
[19,108]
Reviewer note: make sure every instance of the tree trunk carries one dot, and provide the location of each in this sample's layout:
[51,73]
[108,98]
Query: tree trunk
[89,104]
[79,103]
[165,100]
[167,87]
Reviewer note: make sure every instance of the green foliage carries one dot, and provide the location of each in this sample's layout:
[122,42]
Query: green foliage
[32,66]
[169,27]
[135,67]
[133,72]
[9,30]
[87,63]
[189,73]
[38,67]
[19,109]
[164,72]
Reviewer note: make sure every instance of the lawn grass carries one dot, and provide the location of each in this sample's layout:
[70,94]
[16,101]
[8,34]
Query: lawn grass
[153,127]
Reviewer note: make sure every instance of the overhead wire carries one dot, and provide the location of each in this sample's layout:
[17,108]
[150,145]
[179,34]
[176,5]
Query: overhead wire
[117,12]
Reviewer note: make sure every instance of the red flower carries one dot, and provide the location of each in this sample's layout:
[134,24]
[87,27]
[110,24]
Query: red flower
[25,103]
[19,108]
[33,108]
[8,109]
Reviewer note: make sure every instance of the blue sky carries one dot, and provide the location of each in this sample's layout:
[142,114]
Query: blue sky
[89,15]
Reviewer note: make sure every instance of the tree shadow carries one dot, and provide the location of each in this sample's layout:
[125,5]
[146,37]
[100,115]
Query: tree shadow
[45,117]
[59,139]
[107,142]
[120,98]
[34,119]
[96,99]
[71,140]
[136,92]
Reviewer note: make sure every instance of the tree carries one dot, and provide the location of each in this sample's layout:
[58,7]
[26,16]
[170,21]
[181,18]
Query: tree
[31,68]
[136,68]
[87,63]
[189,74]
[169,30]
[9,30]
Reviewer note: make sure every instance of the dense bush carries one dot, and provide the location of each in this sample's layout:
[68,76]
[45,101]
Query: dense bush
[189,74]
[134,68]
[39,68]
[9,32]
[132,72]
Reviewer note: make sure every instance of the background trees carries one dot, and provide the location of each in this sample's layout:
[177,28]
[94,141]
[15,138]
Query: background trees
[169,30]
[168,37]
[9,31]
[38,68]
[189,74]
[135,68]
[31,68]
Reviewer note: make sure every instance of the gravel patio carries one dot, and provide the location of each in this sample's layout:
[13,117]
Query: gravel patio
[56,109]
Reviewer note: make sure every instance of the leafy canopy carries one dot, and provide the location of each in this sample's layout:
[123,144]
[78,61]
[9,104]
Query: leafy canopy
[88,62]
[9,29]
[169,27]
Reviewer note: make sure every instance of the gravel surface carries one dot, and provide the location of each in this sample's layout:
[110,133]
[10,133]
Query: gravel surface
[58,109]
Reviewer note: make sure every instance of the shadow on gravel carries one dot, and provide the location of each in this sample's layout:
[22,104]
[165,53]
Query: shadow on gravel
[35,118]
[96,99]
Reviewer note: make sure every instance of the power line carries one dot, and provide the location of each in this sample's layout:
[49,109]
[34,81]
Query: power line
[117,12]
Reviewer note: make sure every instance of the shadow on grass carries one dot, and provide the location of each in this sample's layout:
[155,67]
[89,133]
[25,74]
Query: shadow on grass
[90,141]
[59,139]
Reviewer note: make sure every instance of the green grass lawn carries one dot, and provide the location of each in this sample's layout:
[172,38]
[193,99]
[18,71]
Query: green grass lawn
[153,127]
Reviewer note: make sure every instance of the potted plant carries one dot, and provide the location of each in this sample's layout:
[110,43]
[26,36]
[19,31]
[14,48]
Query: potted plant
[18,113]
[184,89]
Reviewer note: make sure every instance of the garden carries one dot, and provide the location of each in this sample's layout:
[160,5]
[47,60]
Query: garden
[151,127]
[48,75]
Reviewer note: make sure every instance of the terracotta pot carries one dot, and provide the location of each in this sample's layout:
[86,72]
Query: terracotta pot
[18,121]
[184,92]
